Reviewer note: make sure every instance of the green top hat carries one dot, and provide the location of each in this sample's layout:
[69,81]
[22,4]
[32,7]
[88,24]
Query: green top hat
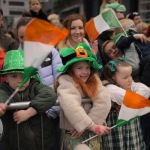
[13,62]
[79,53]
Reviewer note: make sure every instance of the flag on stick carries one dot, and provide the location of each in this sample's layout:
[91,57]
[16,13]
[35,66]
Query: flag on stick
[133,106]
[102,22]
[40,37]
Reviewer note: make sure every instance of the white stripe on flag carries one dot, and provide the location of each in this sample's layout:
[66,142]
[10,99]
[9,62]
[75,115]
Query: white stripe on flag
[127,113]
[100,24]
[35,52]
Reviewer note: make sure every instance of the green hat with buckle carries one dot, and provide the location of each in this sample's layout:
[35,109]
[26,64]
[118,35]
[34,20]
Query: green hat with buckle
[13,62]
[79,53]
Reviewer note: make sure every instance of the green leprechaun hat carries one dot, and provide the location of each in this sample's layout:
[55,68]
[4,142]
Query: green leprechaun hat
[80,53]
[13,62]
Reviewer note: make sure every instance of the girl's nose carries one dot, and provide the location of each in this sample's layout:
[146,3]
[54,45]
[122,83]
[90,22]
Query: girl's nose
[85,70]
[114,50]
[130,79]
[77,30]
[20,79]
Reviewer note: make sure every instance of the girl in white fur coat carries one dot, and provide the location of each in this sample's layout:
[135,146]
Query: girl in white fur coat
[80,120]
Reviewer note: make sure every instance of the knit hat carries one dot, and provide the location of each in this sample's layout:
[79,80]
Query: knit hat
[79,53]
[116,7]
[82,147]
[121,8]
[13,62]
[132,15]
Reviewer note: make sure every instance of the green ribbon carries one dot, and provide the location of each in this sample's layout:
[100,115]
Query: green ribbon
[122,59]
[113,65]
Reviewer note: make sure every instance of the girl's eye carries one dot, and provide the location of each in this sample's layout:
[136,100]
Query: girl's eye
[72,28]
[79,68]
[80,27]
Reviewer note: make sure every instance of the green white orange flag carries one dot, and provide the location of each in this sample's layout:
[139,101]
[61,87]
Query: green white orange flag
[102,22]
[40,37]
[133,106]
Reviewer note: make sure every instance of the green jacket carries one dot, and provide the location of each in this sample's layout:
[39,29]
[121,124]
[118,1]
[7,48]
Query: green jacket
[29,132]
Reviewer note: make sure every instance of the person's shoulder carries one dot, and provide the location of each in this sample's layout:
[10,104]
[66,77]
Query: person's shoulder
[61,45]
[34,82]
[65,77]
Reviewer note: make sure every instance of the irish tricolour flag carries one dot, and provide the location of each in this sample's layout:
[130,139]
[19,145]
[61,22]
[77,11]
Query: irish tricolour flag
[133,106]
[40,37]
[102,22]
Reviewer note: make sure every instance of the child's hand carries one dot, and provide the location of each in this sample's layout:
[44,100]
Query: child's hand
[94,48]
[3,108]
[100,130]
[75,133]
[140,37]
[23,115]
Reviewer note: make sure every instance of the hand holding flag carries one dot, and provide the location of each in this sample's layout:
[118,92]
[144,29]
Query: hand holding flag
[133,106]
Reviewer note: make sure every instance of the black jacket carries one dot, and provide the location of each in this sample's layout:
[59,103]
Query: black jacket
[29,133]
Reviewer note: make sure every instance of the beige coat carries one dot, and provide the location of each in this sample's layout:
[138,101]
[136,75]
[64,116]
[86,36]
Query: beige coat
[74,114]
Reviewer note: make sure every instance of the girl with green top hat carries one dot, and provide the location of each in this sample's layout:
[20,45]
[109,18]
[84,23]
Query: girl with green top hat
[28,129]
[80,120]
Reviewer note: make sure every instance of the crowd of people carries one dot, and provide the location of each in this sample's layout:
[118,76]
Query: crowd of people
[89,80]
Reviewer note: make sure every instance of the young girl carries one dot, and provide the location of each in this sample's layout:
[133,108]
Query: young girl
[28,129]
[79,80]
[75,23]
[118,79]
[35,6]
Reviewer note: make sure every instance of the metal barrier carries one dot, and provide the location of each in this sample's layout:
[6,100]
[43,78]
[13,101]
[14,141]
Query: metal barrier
[25,105]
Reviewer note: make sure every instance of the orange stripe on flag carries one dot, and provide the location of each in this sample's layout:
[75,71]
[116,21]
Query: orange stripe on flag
[42,31]
[135,101]
[91,30]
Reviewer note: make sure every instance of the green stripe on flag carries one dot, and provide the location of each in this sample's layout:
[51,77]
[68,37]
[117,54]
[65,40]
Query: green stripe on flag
[28,72]
[123,122]
[111,19]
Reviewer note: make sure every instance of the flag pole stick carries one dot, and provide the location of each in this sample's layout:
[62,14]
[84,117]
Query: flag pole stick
[11,96]
[113,126]
[89,138]
[95,136]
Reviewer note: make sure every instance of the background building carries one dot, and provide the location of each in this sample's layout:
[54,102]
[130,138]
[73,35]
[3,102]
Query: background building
[90,8]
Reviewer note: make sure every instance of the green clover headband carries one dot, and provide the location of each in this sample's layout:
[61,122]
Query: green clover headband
[113,64]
